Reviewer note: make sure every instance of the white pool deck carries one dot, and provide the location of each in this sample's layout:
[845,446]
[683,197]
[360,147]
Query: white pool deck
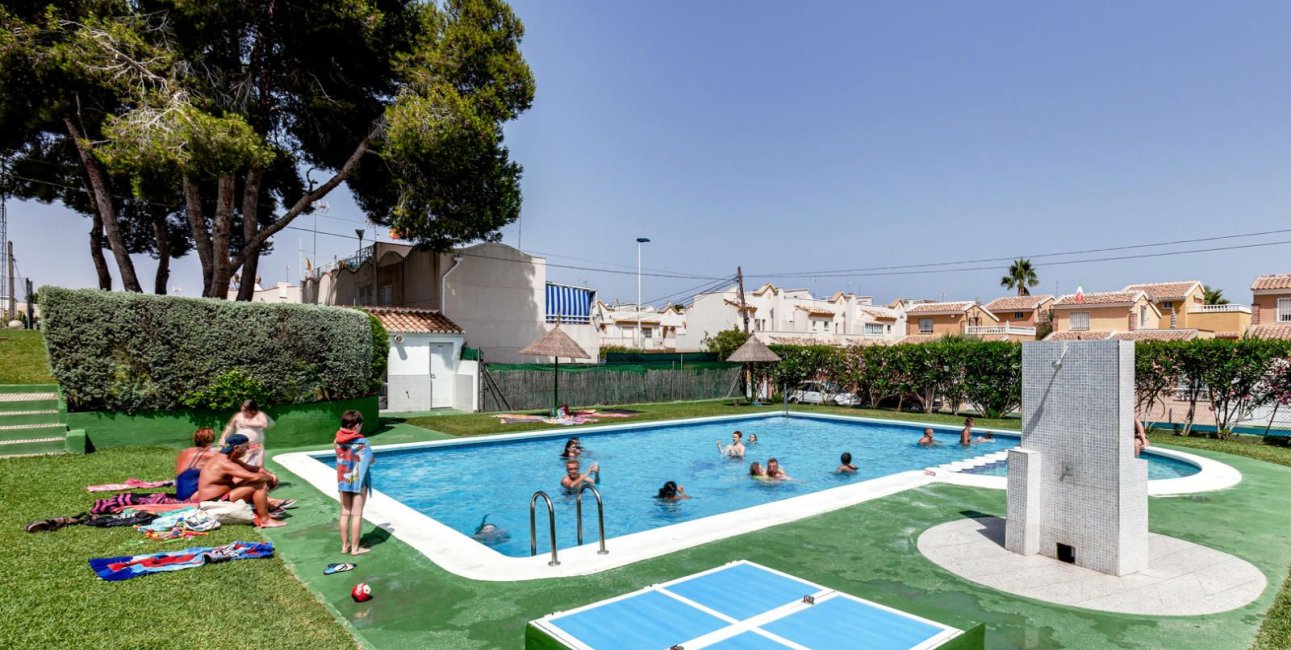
[462,555]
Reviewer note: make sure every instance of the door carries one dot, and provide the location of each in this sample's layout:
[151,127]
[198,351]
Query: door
[441,378]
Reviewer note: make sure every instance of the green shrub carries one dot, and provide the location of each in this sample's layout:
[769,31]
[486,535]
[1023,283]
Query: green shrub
[131,352]
[227,392]
[380,353]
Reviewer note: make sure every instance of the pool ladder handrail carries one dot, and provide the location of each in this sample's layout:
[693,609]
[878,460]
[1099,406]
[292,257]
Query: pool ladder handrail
[533,526]
[600,514]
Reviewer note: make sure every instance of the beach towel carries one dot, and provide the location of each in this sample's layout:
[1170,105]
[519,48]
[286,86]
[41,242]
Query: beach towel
[353,462]
[113,505]
[130,566]
[130,484]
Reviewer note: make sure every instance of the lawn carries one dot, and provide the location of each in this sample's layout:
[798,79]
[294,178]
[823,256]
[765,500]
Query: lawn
[475,424]
[25,359]
[54,599]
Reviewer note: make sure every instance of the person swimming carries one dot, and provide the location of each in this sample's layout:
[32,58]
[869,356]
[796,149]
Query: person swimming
[966,435]
[753,439]
[756,471]
[927,440]
[672,492]
[774,471]
[735,449]
[846,467]
[490,534]
[572,450]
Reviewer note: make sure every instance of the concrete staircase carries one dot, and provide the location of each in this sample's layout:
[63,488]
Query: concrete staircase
[970,463]
[33,420]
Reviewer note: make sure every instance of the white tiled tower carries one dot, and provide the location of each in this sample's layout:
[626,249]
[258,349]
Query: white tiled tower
[1074,481]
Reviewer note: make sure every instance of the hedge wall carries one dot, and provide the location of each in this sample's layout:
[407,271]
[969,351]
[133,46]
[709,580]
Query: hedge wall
[133,352]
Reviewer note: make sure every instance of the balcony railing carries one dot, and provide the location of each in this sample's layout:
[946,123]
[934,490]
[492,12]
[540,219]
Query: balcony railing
[1217,309]
[982,330]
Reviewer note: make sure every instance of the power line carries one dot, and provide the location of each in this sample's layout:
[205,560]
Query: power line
[863,271]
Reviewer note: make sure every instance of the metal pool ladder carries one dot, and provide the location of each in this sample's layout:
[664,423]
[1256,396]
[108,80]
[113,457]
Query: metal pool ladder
[600,514]
[551,518]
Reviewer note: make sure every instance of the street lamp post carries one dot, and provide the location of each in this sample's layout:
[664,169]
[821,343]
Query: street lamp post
[640,240]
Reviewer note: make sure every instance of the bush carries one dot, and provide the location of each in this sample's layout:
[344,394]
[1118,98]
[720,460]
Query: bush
[132,352]
[380,353]
[227,392]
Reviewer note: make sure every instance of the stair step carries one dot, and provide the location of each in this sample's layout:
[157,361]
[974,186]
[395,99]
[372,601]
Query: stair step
[33,447]
[41,416]
[26,431]
[28,396]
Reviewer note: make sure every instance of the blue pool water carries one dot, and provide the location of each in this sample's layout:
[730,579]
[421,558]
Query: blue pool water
[458,485]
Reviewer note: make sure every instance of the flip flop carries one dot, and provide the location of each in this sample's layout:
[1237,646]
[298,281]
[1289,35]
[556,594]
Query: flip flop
[287,505]
[337,568]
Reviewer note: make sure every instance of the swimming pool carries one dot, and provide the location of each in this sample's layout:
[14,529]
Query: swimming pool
[1160,467]
[461,485]
[442,479]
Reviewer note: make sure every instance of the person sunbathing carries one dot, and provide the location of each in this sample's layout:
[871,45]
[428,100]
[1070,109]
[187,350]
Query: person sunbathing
[226,478]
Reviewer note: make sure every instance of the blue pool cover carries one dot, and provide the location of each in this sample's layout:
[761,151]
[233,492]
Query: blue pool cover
[742,606]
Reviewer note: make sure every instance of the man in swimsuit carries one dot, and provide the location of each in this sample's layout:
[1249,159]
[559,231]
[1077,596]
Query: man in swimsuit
[927,440]
[226,478]
[735,449]
[966,435]
[574,480]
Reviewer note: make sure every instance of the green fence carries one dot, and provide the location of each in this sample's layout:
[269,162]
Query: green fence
[530,387]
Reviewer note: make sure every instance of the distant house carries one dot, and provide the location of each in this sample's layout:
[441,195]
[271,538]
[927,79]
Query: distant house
[933,320]
[1271,307]
[778,315]
[1019,316]
[1183,306]
[617,325]
[497,294]
[280,292]
[1136,335]
[1111,311]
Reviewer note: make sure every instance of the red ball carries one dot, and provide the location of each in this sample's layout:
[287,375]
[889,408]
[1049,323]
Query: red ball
[361,592]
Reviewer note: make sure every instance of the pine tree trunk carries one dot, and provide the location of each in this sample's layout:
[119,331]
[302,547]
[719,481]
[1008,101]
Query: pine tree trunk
[102,196]
[222,266]
[201,236]
[250,225]
[96,251]
[163,254]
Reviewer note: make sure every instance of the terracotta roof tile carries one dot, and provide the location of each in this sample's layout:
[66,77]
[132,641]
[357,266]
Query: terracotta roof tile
[1159,291]
[1275,331]
[1155,335]
[1279,281]
[1103,298]
[414,321]
[941,307]
[1017,303]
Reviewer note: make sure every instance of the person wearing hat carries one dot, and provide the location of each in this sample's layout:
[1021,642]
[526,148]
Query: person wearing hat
[225,477]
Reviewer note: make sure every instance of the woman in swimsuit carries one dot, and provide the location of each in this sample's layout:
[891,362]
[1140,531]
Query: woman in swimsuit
[188,467]
[252,423]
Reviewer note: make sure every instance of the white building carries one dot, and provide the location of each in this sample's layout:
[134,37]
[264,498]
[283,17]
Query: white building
[497,294]
[793,316]
[281,292]
[617,325]
[426,370]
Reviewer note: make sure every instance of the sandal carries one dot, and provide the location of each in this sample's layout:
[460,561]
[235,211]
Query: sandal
[337,568]
[287,505]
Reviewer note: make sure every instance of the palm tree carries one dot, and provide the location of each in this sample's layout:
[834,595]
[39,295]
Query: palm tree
[1021,275]
[1213,296]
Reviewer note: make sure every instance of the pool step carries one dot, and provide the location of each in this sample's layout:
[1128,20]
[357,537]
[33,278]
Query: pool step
[970,463]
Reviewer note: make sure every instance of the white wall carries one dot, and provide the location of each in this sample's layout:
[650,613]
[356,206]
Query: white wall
[409,386]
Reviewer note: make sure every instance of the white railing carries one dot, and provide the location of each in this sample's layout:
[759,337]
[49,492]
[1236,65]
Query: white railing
[980,330]
[1214,309]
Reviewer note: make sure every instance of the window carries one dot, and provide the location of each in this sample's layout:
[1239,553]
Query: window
[1284,310]
[386,295]
[873,329]
[925,326]
[1143,316]
[365,296]
[1167,305]
[835,328]
[1079,321]
[647,332]
[1020,315]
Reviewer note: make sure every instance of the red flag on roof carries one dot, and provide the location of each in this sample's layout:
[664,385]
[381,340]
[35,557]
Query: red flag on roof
[1080,294]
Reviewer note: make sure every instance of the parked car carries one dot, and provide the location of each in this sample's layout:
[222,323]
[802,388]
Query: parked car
[822,392]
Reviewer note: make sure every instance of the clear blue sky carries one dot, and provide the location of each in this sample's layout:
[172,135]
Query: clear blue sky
[793,137]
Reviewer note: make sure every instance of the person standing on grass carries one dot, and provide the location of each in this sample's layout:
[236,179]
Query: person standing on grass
[252,423]
[353,468]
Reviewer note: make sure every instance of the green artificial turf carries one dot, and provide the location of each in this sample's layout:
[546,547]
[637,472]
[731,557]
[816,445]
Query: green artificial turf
[868,550]
[475,424]
[54,600]
[25,358]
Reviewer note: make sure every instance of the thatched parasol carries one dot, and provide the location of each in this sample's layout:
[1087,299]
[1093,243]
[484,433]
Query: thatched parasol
[556,344]
[753,351]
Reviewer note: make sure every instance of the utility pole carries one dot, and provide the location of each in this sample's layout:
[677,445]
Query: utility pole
[11,308]
[31,312]
[744,312]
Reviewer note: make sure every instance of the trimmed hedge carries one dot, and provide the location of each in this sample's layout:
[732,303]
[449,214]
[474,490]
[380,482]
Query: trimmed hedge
[133,352]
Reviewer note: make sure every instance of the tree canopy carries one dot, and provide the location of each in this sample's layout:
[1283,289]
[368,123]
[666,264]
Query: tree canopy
[212,125]
[1021,275]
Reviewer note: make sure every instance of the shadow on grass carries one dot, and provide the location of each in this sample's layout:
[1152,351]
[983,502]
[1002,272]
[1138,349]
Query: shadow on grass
[374,537]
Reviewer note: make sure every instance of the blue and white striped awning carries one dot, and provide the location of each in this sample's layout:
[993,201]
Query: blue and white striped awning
[569,304]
